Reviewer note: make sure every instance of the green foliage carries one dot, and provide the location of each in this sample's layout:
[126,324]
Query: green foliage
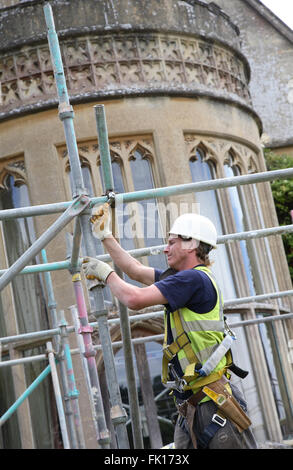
[283,197]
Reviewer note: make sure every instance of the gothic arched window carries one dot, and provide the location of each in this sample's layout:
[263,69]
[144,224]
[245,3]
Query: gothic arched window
[29,301]
[142,176]
[231,169]
[203,170]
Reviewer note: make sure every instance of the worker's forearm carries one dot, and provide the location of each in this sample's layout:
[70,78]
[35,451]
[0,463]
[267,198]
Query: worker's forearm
[125,292]
[136,298]
[120,257]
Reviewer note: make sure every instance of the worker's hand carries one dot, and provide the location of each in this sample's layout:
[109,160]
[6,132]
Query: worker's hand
[101,221]
[95,269]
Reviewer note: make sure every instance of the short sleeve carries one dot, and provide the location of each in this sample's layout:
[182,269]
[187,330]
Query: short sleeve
[190,288]
[158,273]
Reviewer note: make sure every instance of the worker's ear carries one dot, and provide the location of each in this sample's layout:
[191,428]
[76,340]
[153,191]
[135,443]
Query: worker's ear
[190,245]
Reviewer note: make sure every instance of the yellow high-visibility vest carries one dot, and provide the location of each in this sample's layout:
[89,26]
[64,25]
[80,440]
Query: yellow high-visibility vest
[196,336]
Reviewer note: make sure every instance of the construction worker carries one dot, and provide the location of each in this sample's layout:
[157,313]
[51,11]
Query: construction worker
[211,411]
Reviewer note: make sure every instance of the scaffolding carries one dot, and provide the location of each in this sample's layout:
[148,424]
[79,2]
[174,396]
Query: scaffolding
[57,337]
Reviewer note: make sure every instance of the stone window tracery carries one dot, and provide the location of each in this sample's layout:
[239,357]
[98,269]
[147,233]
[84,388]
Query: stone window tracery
[133,167]
[237,205]
[27,291]
[203,168]
[237,200]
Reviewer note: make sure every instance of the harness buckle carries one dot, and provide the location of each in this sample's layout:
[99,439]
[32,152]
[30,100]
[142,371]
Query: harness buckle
[176,345]
[173,385]
[178,383]
[168,354]
[219,420]
[181,346]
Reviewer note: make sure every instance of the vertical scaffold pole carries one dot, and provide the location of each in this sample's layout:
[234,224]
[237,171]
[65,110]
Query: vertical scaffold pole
[76,321]
[58,396]
[73,393]
[56,342]
[66,116]
[124,318]
[89,353]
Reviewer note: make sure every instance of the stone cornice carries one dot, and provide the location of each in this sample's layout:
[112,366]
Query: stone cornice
[189,17]
[116,94]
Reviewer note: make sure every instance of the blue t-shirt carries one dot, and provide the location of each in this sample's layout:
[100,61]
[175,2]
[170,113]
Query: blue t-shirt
[190,288]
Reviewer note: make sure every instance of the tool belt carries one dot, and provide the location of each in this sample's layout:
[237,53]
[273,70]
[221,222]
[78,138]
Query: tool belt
[227,404]
[228,407]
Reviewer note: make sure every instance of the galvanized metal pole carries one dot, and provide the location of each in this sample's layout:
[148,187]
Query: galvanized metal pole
[66,115]
[44,334]
[74,261]
[124,317]
[42,268]
[52,305]
[201,186]
[159,337]
[25,394]
[100,312]
[76,207]
[58,347]
[104,147]
[154,250]
[257,298]
[76,322]
[86,332]
[152,193]
[73,393]
[58,396]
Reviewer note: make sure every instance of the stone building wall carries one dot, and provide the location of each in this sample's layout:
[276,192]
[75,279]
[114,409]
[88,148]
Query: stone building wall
[267,43]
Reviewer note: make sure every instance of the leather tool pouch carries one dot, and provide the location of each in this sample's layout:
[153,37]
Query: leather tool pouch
[230,408]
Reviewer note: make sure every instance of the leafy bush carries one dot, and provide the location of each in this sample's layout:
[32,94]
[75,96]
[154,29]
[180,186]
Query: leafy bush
[283,197]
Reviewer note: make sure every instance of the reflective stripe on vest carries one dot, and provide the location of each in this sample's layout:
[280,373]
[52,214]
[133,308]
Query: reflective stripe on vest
[205,331]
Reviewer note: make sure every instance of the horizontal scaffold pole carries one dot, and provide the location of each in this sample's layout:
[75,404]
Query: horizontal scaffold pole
[145,339]
[154,250]
[145,316]
[260,233]
[202,186]
[40,268]
[153,193]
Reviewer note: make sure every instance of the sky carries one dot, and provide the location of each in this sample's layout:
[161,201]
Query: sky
[282,8]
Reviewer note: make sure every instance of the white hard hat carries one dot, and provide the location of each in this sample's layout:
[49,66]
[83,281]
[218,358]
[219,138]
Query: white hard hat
[195,226]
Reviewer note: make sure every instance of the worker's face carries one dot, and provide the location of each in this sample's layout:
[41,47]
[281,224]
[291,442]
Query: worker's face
[179,251]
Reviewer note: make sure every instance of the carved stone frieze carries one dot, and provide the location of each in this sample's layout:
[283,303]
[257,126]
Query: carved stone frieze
[122,63]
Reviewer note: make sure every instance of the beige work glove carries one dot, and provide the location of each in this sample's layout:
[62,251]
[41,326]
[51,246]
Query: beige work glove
[95,269]
[101,221]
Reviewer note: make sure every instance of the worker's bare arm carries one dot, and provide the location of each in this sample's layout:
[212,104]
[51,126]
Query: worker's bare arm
[134,297]
[129,265]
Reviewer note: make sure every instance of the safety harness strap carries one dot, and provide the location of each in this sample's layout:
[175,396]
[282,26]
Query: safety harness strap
[202,381]
[208,433]
[181,342]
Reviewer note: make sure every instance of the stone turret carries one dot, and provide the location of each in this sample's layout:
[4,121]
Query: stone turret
[120,48]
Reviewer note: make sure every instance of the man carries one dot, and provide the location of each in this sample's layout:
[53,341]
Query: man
[194,327]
